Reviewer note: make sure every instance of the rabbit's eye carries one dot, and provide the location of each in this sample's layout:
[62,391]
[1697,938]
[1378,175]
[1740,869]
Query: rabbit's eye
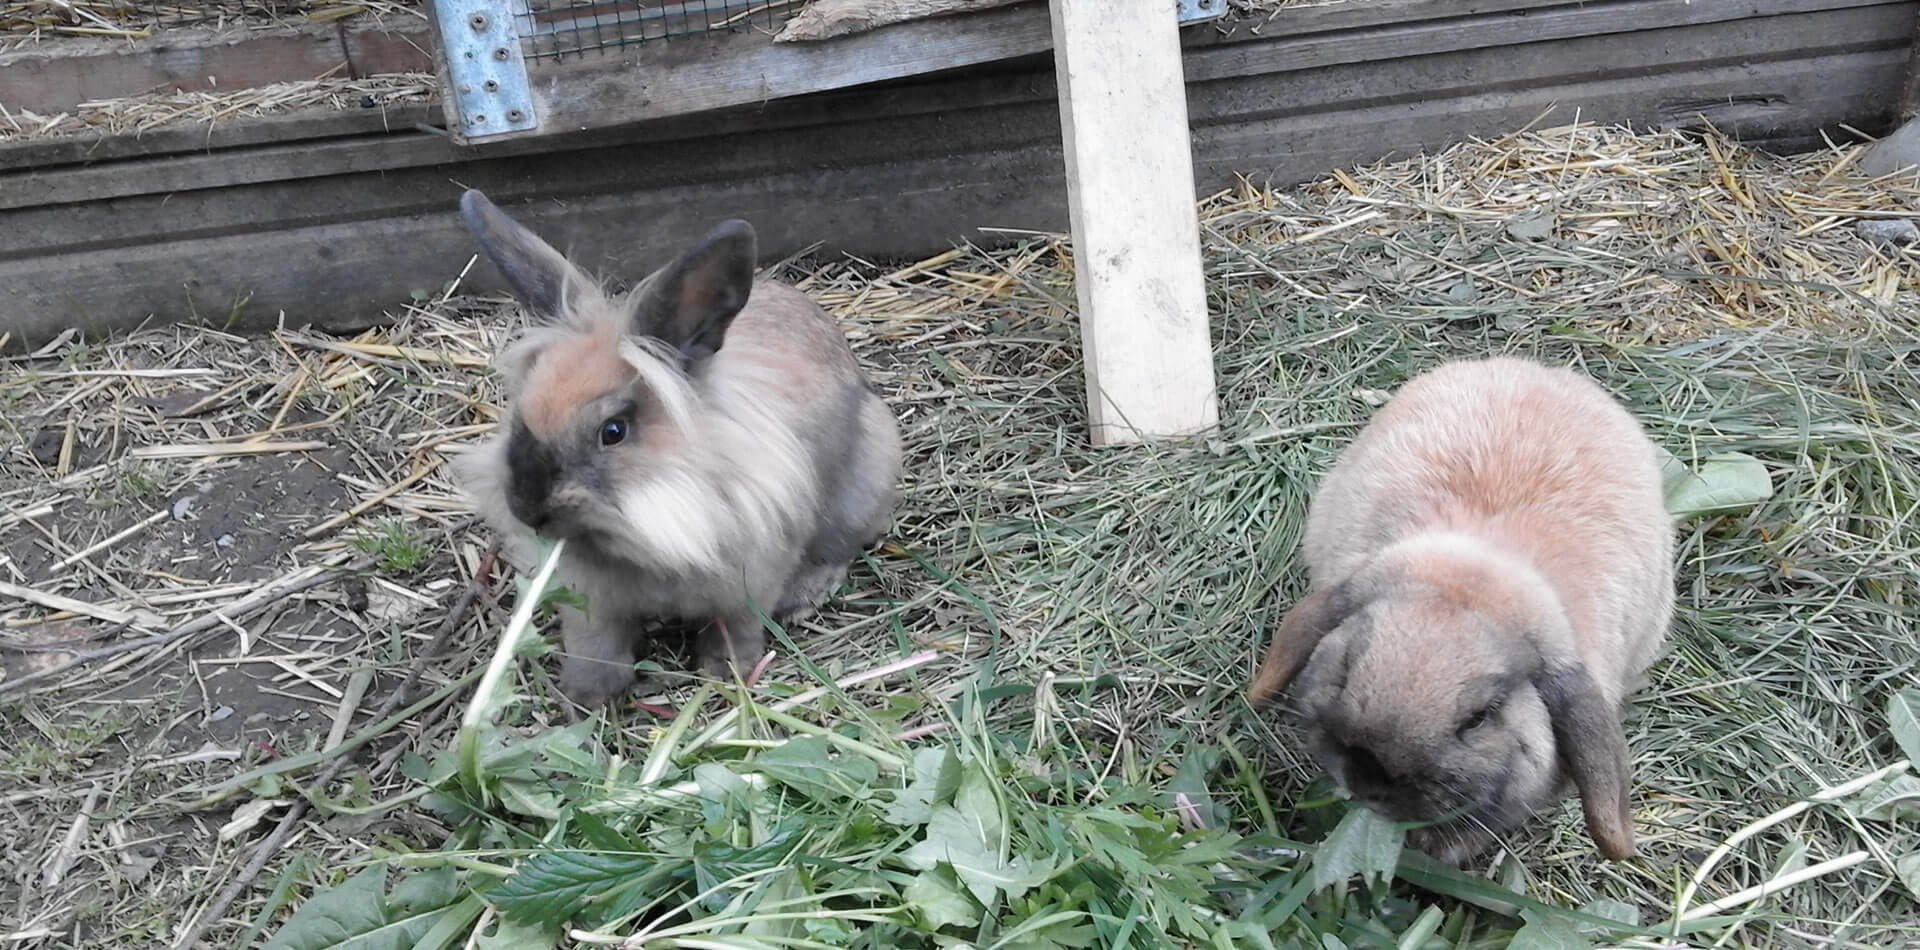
[1477,720]
[613,431]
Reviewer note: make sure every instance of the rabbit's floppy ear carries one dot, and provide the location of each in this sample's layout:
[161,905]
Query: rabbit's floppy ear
[1594,750]
[1301,630]
[690,303]
[539,275]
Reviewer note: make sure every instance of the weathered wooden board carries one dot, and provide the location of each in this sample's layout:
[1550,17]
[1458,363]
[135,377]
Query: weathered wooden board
[1136,240]
[826,19]
[65,207]
[885,172]
[52,77]
[288,151]
[718,70]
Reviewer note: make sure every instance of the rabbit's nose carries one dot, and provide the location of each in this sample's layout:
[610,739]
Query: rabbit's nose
[532,512]
[1367,768]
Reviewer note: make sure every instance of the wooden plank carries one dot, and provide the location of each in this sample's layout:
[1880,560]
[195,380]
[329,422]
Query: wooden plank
[1223,97]
[1780,105]
[718,70]
[51,78]
[826,19]
[1910,90]
[49,153]
[947,110]
[1509,28]
[1245,56]
[832,183]
[407,47]
[1136,237]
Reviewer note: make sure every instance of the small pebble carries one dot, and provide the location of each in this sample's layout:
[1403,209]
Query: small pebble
[46,446]
[1894,232]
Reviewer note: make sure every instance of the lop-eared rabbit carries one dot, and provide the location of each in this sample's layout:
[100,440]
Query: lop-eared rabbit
[1490,571]
[706,445]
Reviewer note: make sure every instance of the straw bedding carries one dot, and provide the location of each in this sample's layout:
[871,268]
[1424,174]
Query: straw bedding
[1727,296]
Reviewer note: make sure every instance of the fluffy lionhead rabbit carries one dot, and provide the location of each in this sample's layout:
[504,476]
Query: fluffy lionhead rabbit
[706,445]
[1490,573]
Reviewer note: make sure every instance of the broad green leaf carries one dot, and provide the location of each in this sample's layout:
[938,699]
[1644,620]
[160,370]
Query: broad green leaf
[1793,856]
[807,766]
[1903,716]
[426,890]
[1610,909]
[975,798]
[357,916]
[551,887]
[507,935]
[935,896]
[1908,867]
[722,793]
[716,862]
[935,776]
[1191,780]
[1364,843]
[533,799]
[1721,482]
[1424,872]
[1548,934]
[1893,796]
[784,890]
[828,930]
[1049,929]
[454,925]
[967,844]
[597,834]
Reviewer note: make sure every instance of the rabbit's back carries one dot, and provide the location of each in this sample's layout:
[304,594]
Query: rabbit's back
[1539,461]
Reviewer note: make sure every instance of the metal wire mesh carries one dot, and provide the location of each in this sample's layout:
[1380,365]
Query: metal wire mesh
[554,29]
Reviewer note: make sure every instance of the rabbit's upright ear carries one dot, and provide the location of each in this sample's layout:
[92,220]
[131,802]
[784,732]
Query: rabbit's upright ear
[1594,751]
[1301,630]
[690,303]
[540,276]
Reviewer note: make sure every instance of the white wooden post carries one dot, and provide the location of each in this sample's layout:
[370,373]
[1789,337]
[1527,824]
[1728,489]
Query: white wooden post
[1136,235]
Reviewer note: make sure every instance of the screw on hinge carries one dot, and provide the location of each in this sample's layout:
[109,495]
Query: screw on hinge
[478,120]
[478,21]
[515,115]
[489,85]
[500,54]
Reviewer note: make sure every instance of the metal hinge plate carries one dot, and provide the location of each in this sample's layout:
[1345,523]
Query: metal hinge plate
[1200,11]
[486,75]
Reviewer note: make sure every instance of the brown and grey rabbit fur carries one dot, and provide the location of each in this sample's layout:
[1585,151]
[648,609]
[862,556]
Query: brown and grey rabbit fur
[706,445]
[1490,569]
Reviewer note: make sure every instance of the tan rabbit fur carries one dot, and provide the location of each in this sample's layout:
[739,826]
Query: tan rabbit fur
[1490,571]
[706,445]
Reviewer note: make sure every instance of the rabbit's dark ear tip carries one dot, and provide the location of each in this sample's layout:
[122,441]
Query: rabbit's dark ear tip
[733,228]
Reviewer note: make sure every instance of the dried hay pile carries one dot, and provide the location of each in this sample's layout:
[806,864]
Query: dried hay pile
[272,520]
[143,19]
[147,113]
